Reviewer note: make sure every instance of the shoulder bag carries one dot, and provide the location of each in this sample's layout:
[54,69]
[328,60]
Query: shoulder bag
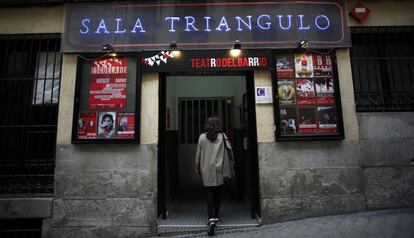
[228,161]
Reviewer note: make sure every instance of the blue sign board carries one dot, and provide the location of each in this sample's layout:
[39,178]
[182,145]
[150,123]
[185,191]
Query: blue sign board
[130,26]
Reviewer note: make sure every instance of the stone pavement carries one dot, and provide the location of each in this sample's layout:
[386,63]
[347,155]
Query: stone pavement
[395,223]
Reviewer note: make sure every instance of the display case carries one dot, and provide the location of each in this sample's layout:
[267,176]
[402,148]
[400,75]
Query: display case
[106,108]
[307,93]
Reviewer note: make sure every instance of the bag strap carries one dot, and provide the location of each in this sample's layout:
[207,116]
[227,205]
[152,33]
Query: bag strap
[224,140]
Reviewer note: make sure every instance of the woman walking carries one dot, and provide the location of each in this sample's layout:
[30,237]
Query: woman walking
[209,165]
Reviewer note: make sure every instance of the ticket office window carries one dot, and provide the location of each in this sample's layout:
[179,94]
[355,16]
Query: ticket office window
[107,100]
[307,93]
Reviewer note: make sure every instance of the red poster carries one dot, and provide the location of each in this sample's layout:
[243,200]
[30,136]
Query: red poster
[87,125]
[108,84]
[305,91]
[322,66]
[307,120]
[303,66]
[125,125]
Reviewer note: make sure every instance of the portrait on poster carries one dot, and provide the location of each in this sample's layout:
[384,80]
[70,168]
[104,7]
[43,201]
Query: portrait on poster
[288,120]
[327,119]
[125,125]
[106,128]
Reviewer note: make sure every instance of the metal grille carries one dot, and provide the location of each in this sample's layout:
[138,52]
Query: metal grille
[11,228]
[29,90]
[382,61]
[194,112]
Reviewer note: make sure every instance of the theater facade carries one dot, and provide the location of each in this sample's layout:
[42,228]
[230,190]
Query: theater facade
[104,102]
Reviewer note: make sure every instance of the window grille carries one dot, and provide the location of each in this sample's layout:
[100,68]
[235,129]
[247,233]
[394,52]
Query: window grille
[194,112]
[29,92]
[382,60]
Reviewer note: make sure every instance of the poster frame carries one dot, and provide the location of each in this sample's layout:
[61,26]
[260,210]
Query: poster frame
[339,135]
[81,58]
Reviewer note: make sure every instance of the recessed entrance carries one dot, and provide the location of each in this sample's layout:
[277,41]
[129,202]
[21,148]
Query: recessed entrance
[186,101]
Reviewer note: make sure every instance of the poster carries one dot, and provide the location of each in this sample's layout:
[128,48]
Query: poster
[322,65]
[305,91]
[106,128]
[307,120]
[288,121]
[327,119]
[125,125]
[286,91]
[284,66]
[324,90]
[86,125]
[108,83]
[303,66]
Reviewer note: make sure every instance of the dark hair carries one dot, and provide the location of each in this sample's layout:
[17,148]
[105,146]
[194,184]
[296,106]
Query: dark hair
[212,128]
[107,115]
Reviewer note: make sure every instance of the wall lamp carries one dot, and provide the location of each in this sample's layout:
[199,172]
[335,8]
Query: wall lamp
[303,44]
[235,52]
[109,49]
[174,48]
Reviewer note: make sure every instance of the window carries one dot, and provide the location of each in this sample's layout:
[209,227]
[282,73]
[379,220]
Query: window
[29,92]
[382,61]
[46,78]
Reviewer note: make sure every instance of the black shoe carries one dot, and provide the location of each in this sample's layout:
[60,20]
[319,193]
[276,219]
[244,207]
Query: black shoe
[211,226]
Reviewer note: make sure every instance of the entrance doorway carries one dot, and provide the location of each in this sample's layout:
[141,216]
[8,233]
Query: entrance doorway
[186,101]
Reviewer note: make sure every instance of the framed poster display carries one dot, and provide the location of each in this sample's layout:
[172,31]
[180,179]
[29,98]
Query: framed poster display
[307,103]
[107,100]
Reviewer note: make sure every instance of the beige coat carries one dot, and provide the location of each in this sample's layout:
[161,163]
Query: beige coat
[209,160]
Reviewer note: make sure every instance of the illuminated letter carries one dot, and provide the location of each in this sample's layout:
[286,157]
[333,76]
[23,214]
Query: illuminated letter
[190,23]
[327,24]
[289,22]
[249,25]
[117,26]
[172,22]
[102,26]
[84,21]
[266,23]
[207,24]
[223,22]
[138,25]
[301,23]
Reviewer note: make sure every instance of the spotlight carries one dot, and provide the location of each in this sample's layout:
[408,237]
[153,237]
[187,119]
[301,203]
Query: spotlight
[173,45]
[175,51]
[303,44]
[107,47]
[235,52]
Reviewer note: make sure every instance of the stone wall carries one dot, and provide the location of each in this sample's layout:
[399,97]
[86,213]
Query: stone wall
[104,191]
[303,179]
[387,147]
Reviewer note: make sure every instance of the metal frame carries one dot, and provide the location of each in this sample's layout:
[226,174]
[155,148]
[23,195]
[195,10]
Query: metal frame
[27,129]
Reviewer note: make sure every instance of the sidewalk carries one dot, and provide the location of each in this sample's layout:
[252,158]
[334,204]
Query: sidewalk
[395,223]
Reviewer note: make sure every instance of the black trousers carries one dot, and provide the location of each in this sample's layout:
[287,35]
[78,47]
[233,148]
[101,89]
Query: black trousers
[213,201]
